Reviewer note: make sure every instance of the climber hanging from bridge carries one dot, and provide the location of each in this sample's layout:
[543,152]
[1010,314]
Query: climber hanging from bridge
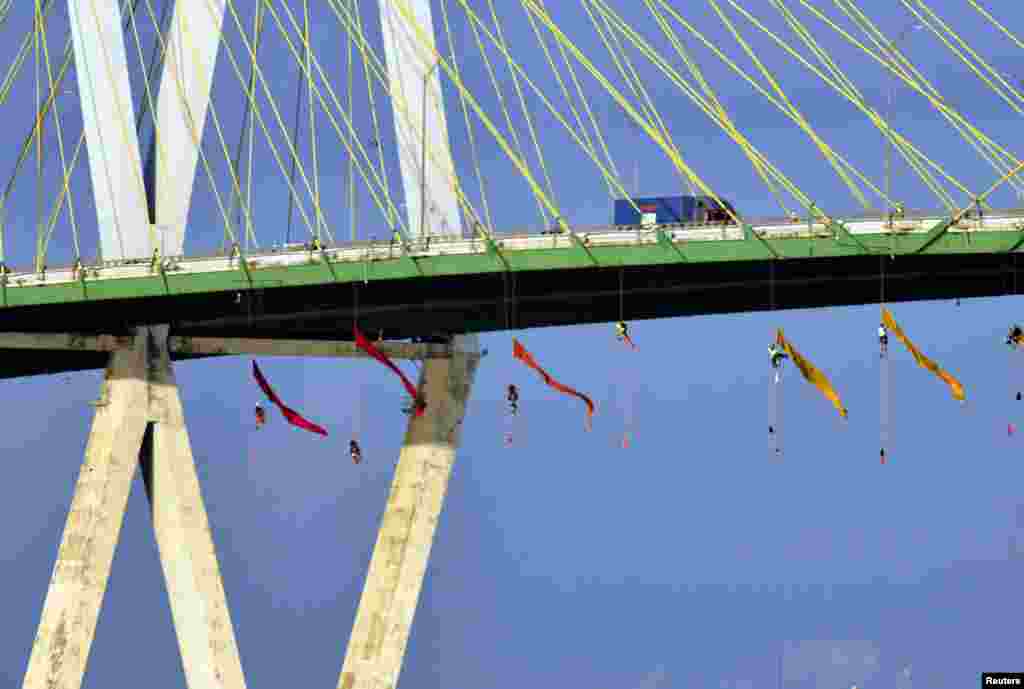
[776,354]
[261,417]
[883,341]
[417,405]
[622,333]
[513,399]
[355,451]
[1015,338]
[292,416]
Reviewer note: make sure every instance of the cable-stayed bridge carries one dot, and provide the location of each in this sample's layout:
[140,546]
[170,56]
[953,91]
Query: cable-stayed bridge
[200,178]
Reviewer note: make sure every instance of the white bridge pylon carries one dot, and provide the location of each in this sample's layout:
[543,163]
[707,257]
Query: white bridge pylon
[140,419]
[376,648]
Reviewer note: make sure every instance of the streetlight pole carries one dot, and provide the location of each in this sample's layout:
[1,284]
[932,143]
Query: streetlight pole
[423,144]
[915,26]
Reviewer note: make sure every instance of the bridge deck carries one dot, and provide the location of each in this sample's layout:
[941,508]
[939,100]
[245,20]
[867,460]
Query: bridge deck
[462,285]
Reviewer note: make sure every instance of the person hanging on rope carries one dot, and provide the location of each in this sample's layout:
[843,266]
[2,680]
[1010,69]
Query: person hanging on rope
[882,455]
[414,406]
[513,399]
[355,451]
[261,417]
[883,340]
[776,355]
[621,330]
[1015,338]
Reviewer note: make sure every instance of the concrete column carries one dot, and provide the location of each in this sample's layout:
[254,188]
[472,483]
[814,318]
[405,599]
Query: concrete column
[79,580]
[376,648]
[199,607]
[139,417]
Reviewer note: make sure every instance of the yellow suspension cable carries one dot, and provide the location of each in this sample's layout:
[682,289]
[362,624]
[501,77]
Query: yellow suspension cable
[852,92]
[402,109]
[487,122]
[713,99]
[27,142]
[60,147]
[40,123]
[505,111]
[825,150]
[890,51]
[489,221]
[753,83]
[936,20]
[193,127]
[354,139]
[349,72]
[623,103]
[522,103]
[876,119]
[981,10]
[386,185]
[273,103]
[570,101]
[726,125]
[321,223]
[584,100]
[939,105]
[632,78]
[250,90]
[523,169]
[609,177]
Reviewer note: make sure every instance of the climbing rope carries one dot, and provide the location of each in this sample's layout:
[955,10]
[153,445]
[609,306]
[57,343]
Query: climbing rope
[885,395]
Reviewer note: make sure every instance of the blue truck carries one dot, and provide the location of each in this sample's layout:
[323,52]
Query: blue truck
[672,210]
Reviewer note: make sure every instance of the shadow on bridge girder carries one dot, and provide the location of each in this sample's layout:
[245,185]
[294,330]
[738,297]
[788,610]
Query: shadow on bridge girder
[421,307]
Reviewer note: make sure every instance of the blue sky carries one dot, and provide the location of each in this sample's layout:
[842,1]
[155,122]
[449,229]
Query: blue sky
[693,559]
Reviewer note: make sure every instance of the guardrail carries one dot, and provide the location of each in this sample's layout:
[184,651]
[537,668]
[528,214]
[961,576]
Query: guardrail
[601,235]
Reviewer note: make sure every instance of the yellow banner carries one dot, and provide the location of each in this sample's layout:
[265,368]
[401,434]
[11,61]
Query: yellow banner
[922,360]
[812,374]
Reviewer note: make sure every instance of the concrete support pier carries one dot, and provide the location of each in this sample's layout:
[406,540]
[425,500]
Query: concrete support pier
[373,659]
[139,417]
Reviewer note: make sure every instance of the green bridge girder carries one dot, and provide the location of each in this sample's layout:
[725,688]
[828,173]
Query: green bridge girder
[498,260]
[410,296]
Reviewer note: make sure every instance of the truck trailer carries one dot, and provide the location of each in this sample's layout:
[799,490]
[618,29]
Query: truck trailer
[671,210]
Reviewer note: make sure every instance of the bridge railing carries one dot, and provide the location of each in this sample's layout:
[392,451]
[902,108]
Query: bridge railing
[599,235]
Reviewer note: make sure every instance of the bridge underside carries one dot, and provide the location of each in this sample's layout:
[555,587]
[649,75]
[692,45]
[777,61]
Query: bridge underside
[421,307]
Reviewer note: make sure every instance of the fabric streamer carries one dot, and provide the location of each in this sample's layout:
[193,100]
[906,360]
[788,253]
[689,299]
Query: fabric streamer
[364,344]
[292,416]
[923,361]
[519,352]
[812,374]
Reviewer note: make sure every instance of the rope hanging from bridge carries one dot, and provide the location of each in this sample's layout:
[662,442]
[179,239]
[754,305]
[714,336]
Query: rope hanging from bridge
[776,356]
[884,373]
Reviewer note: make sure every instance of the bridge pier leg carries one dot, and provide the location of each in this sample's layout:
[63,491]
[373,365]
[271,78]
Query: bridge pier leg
[376,648]
[138,420]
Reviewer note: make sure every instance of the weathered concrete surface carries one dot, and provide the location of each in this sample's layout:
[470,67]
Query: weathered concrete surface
[373,659]
[139,408]
[199,607]
[79,580]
